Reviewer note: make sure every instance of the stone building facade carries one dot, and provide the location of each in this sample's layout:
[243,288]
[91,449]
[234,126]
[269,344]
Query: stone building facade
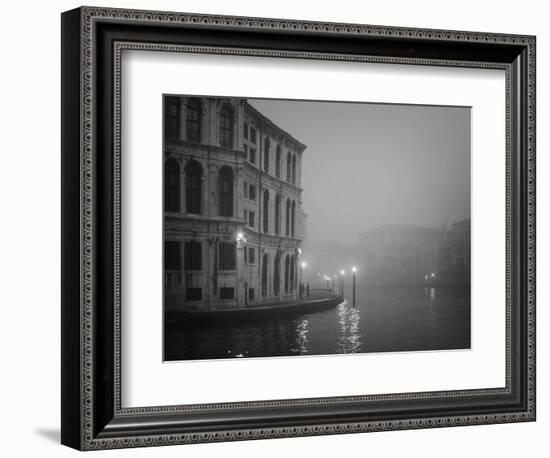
[454,255]
[411,255]
[233,218]
[396,255]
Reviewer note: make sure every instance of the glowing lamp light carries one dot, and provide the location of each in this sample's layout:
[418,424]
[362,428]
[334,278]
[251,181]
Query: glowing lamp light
[304,265]
[354,269]
[433,275]
[342,272]
[240,238]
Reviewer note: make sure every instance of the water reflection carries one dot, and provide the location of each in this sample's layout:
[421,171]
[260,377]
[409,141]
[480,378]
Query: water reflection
[349,339]
[385,319]
[430,296]
[301,337]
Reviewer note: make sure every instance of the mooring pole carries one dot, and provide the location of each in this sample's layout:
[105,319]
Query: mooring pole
[354,270]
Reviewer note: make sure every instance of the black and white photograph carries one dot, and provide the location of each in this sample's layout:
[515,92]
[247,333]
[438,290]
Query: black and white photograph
[278,222]
[304,227]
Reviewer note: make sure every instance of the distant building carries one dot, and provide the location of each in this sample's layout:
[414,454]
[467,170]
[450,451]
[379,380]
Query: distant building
[454,255]
[411,255]
[395,254]
[233,218]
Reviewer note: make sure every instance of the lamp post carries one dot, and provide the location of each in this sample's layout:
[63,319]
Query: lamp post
[241,241]
[303,265]
[354,270]
[342,283]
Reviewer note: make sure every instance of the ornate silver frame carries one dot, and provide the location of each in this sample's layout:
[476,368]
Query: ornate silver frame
[93,417]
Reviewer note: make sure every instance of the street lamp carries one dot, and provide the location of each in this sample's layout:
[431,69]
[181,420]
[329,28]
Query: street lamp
[354,270]
[241,239]
[342,283]
[303,265]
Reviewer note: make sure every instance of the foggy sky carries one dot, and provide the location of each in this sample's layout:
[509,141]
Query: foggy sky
[366,165]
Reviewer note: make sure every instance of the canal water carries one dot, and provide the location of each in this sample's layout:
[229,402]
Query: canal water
[384,319]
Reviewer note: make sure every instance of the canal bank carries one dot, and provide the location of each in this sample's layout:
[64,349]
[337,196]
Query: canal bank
[316,303]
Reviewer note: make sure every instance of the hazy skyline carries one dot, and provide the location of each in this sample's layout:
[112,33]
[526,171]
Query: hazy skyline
[367,165]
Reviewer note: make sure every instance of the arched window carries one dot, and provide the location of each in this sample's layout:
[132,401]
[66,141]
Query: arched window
[171,186]
[193,121]
[265,210]
[172,115]
[264,275]
[277,214]
[293,219]
[278,159]
[193,187]
[288,166]
[287,218]
[225,191]
[266,154]
[287,273]
[277,275]
[291,275]
[294,169]
[226,127]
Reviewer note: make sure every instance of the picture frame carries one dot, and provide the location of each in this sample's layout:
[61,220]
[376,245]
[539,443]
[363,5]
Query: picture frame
[93,416]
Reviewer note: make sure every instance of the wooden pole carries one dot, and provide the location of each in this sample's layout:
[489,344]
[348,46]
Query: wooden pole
[354,289]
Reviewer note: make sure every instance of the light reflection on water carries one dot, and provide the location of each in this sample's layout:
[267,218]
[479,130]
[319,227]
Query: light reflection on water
[349,339]
[385,319]
[433,315]
[301,338]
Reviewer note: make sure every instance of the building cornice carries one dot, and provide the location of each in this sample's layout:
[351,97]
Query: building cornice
[274,181]
[299,147]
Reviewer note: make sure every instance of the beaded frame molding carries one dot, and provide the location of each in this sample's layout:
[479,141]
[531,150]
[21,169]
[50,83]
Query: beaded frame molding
[92,42]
